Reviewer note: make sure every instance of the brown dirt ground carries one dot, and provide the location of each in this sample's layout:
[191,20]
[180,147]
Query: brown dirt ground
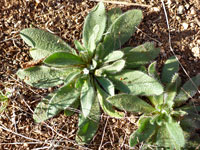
[65,18]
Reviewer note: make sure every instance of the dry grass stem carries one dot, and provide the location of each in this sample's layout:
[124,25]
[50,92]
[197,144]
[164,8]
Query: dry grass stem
[122,3]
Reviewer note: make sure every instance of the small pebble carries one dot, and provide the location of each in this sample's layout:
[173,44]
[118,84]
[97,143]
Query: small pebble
[180,10]
[196,51]
[185,25]
[198,42]
[192,11]
[187,6]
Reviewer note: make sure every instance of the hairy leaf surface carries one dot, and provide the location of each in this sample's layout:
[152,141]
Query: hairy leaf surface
[43,76]
[130,103]
[137,82]
[43,42]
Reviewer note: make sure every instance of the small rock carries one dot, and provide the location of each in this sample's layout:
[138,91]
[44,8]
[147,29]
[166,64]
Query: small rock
[178,18]
[198,42]
[192,11]
[156,9]
[187,6]
[196,51]
[192,25]
[180,10]
[185,25]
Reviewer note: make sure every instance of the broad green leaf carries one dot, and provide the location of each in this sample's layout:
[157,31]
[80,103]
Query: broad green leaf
[171,91]
[105,105]
[112,15]
[137,82]
[72,76]
[191,122]
[111,69]
[188,90]
[140,55]
[190,125]
[143,133]
[43,77]
[170,68]
[87,127]
[107,85]
[88,95]
[121,30]
[94,27]
[72,109]
[113,56]
[78,46]
[63,59]
[79,83]
[130,103]
[152,71]
[100,53]
[43,42]
[63,99]
[157,100]
[170,135]
[40,112]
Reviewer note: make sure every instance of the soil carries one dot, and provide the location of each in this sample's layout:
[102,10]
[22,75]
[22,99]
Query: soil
[65,19]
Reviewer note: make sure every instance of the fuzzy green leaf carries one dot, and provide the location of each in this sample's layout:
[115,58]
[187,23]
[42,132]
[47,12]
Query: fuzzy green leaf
[78,46]
[170,136]
[156,100]
[40,112]
[140,55]
[43,42]
[87,97]
[113,56]
[72,109]
[111,69]
[130,103]
[63,59]
[87,127]
[63,99]
[188,90]
[171,90]
[121,30]
[136,83]
[107,85]
[170,68]
[72,76]
[152,71]
[94,27]
[105,105]
[144,132]
[191,124]
[43,77]
[191,121]
[112,15]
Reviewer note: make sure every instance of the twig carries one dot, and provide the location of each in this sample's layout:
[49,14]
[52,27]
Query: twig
[122,3]
[8,130]
[104,130]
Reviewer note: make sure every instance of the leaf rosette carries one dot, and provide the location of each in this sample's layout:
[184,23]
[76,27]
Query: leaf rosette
[91,72]
[168,121]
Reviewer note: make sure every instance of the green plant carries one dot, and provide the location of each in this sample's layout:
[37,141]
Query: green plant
[90,73]
[3,101]
[160,123]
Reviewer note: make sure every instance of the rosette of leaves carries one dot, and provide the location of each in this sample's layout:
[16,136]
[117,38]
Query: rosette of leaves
[93,71]
[165,115]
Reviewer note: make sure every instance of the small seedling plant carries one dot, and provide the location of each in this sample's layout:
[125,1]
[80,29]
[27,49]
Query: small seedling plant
[3,101]
[91,72]
[165,115]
